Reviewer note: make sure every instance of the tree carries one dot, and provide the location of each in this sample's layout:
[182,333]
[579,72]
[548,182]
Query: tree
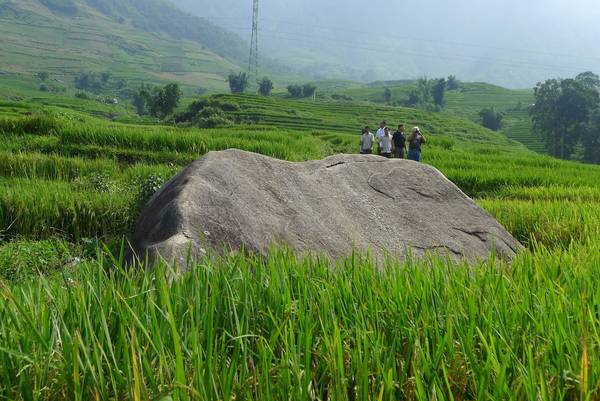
[438,91]
[589,80]
[492,119]
[387,95]
[159,102]
[105,76]
[561,112]
[452,83]
[169,98]
[238,82]
[295,90]
[265,86]
[164,100]
[89,81]
[308,90]
[424,90]
[591,138]
[142,96]
[413,98]
[42,76]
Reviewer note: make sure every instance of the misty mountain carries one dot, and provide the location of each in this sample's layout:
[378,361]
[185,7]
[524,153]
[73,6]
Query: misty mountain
[133,40]
[509,42]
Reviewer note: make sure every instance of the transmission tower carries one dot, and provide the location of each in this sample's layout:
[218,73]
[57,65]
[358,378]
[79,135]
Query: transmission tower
[253,61]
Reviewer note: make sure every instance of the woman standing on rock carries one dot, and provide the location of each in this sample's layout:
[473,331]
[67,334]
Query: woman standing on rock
[414,144]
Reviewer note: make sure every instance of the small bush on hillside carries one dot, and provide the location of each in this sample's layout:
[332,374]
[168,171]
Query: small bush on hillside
[308,90]
[158,102]
[82,95]
[42,76]
[492,119]
[226,106]
[298,91]
[88,81]
[213,121]
[238,83]
[438,92]
[295,90]
[413,99]
[208,113]
[347,98]
[452,83]
[148,187]
[52,88]
[265,86]
[387,95]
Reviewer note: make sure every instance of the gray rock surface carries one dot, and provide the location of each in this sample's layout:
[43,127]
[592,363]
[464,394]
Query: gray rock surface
[391,207]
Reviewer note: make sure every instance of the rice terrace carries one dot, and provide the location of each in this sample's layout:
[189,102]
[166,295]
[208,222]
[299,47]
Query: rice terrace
[298,268]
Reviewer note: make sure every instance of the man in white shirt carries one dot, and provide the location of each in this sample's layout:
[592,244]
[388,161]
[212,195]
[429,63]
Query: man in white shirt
[385,144]
[380,134]
[366,141]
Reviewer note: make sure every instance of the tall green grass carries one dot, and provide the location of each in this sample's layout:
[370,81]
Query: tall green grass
[43,209]
[293,328]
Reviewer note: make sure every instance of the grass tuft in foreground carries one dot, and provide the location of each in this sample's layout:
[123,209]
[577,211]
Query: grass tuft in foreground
[286,327]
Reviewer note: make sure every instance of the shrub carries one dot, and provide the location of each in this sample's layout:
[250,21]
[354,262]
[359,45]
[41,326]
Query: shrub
[295,90]
[438,92]
[265,86]
[225,106]
[336,96]
[148,187]
[452,83]
[238,82]
[387,95]
[159,102]
[42,76]
[82,95]
[308,90]
[492,119]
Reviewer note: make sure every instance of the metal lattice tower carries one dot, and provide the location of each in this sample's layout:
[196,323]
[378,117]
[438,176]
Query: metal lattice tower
[253,61]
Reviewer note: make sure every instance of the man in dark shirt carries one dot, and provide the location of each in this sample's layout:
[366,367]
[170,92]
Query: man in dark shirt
[399,140]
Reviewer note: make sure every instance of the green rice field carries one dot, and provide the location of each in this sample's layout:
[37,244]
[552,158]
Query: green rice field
[74,325]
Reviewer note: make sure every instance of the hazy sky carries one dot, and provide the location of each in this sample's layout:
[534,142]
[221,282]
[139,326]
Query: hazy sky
[510,42]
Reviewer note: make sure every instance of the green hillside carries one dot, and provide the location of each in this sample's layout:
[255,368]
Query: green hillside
[132,40]
[78,326]
[467,102]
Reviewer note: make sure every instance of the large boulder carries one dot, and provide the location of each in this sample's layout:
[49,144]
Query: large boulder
[234,199]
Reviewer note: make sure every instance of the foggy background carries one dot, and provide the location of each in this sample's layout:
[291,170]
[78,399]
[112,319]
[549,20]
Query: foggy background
[510,42]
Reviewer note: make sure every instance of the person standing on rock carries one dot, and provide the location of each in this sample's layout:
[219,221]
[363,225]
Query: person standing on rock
[385,144]
[399,140]
[416,140]
[380,133]
[366,141]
